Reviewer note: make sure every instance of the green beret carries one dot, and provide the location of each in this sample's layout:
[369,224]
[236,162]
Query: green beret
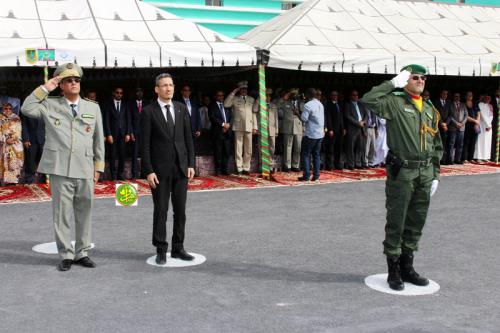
[68,70]
[415,69]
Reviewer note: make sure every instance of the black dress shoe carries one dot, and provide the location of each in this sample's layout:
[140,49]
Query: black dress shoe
[85,262]
[225,173]
[295,169]
[161,257]
[245,172]
[303,179]
[181,254]
[65,265]
[285,169]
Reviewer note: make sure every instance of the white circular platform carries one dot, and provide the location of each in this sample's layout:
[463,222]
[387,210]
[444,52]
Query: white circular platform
[174,262]
[51,248]
[378,282]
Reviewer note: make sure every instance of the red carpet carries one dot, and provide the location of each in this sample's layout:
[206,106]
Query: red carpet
[106,189]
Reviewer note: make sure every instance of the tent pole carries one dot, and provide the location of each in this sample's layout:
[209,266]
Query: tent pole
[262,60]
[264,125]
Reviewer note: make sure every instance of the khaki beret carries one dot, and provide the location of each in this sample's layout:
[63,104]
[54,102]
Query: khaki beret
[242,84]
[68,70]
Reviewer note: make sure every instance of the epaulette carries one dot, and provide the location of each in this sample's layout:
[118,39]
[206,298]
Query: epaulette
[429,102]
[85,98]
[398,93]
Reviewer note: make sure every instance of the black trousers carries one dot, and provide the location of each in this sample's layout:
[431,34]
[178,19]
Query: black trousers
[333,151]
[32,156]
[136,147]
[222,149]
[118,151]
[470,140]
[355,150]
[172,185]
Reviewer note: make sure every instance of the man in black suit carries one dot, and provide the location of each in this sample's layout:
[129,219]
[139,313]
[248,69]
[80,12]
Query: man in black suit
[443,105]
[136,107]
[220,118]
[355,119]
[118,130]
[192,106]
[335,131]
[168,163]
[33,135]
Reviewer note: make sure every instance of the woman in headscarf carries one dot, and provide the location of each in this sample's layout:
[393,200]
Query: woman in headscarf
[11,146]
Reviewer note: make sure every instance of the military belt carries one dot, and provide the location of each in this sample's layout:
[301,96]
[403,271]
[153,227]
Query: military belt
[416,164]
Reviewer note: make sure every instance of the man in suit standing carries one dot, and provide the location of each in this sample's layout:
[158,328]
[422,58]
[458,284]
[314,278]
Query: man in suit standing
[136,107]
[33,135]
[457,119]
[335,131]
[443,105]
[73,156]
[244,124]
[117,129]
[220,118]
[355,116]
[168,163]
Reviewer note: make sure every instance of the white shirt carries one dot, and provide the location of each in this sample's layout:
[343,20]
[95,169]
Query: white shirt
[77,103]
[116,105]
[164,109]
[188,104]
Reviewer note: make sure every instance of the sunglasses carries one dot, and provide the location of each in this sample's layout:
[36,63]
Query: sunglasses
[71,80]
[416,77]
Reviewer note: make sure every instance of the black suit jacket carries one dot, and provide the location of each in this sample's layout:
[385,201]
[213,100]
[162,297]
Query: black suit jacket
[444,111]
[334,117]
[195,114]
[33,130]
[216,120]
[135,116]
[351,117]
[117,124]
[159,149]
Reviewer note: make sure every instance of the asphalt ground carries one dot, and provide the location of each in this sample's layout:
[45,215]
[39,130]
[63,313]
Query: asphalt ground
[287,259]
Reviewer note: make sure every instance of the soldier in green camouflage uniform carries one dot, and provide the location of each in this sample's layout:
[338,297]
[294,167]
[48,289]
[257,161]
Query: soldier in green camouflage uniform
[412,167]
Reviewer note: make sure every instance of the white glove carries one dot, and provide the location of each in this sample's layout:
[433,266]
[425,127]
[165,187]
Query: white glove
[434,186]
[401,79]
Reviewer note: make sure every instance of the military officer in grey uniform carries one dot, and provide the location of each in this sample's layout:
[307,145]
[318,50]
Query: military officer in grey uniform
[244,125]
[73,157]
[290,107]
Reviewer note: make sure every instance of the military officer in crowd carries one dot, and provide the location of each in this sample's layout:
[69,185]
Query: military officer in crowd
[272,117]
[290,107]
[412,167]
[73,157]
[244,125]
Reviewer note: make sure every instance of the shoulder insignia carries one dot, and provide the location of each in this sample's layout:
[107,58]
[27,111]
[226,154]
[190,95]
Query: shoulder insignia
[89,100]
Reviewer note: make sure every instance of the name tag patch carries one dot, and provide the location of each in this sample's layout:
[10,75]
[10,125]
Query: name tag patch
[409,110]
[88,116]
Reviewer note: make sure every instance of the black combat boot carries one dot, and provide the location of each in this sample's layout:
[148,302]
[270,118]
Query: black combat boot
[408,273]
[394,277]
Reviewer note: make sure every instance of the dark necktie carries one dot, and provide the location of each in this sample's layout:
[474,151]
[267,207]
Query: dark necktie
[223,113]
[73,109]
[139,106]
[118,107]
[170,121]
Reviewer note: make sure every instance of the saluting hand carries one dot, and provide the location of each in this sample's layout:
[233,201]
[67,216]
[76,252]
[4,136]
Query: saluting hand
[401,79]
[52,83]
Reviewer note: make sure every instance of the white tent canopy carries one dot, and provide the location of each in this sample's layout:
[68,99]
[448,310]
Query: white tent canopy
[381,36]
[113,33]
